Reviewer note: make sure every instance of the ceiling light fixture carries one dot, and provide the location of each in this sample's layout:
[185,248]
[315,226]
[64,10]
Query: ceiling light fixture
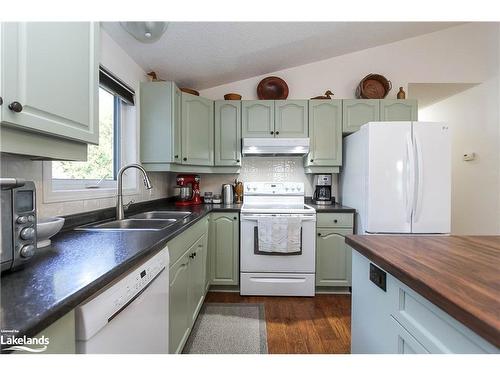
[145,32]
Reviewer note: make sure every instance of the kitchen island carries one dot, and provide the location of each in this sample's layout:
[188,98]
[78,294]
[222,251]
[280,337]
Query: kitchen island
[425,294]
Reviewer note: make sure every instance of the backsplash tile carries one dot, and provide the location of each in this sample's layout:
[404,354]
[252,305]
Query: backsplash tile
[22,167]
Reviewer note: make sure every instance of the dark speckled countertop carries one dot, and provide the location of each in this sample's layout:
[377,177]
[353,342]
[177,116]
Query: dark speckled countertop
[332,208]
[80,263]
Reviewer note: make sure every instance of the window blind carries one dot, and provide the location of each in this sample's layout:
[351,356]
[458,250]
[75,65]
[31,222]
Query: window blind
[115,85]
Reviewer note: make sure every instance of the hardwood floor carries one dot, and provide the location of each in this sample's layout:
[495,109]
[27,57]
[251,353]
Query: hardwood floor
[321,324]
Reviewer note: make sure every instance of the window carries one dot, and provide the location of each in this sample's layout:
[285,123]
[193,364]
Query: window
[96,177]
[103,162]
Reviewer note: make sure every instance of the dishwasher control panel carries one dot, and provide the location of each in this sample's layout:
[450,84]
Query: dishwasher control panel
[95,313]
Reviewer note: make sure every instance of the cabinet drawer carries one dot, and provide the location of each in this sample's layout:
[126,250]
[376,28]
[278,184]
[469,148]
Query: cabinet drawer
[334,220]
[179,245]
[433,328]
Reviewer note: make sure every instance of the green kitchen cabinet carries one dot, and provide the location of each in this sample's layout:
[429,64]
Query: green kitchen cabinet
[291,119]
[227,133]
[160,122]
[61,336]
[188,258]
[197,130]
[49,86]
[179,318]
[398,110]
[357,112]
[197,268]
[325,133]
[257,118]
[224,248]
[333,257]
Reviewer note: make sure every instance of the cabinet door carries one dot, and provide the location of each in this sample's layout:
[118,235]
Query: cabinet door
[257,118]
[357,112]
[160,122]
[179,318]
[197,269]
[177,118]
[197,130]
[291,118]
[333,258]
[398,110]
[224,248]
[325,133]
[227,132]
[52,70]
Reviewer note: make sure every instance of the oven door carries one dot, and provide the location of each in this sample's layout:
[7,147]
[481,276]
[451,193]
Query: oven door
[252,261]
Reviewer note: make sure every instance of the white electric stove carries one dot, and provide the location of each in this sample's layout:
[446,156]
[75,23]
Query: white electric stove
[276,273]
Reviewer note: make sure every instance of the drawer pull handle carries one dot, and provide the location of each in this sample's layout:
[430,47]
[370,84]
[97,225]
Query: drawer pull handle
[335,221]
[319,234]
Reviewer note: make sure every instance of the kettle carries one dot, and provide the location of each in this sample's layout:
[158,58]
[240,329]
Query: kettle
[227,194]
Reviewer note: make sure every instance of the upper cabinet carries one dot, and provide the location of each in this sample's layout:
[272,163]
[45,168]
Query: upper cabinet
[49,86]
[274,118]
[197,130]
[160,122]
[398,110]
[227,133]
[291,118]
[325,133]
[356,112]
[257,118]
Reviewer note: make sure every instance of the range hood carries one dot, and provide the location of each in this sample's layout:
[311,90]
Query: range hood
[275,146]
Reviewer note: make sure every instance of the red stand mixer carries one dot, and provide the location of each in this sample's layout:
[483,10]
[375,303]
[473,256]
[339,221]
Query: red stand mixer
[189,190]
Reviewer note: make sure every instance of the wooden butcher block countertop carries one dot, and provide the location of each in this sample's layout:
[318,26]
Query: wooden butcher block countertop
[459,274]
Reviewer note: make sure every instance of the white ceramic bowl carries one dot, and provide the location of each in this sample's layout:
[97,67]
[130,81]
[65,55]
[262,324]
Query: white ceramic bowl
[46,228]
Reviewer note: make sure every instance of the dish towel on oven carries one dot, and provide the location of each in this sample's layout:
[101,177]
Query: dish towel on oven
[279,234]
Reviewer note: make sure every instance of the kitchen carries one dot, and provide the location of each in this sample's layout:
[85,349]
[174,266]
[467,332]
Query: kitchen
[170,203]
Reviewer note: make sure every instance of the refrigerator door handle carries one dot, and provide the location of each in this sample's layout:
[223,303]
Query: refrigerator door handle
[410,180]
[419,175]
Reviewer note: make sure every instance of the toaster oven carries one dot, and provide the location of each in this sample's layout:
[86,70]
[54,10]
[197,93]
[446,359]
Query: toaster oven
[18,222]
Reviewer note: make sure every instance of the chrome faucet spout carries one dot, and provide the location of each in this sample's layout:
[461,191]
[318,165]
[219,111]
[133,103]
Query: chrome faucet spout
[120,215]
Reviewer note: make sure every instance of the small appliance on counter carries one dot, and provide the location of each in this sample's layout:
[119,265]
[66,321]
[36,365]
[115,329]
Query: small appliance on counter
[189,190]
[217,199]
[323,189]
[227,194]
[18,235]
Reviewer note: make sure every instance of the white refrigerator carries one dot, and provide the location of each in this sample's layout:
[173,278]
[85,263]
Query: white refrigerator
[397,175]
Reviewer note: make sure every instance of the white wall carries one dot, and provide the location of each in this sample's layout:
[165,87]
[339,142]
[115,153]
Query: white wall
[118,62]
[475,184]
[468,53]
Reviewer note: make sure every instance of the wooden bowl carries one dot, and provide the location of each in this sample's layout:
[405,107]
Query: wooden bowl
[373,86]
[189,91]
[272,88]
[232,96]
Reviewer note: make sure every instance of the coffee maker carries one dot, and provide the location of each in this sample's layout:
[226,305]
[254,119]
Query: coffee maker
[189,190]
[323,189]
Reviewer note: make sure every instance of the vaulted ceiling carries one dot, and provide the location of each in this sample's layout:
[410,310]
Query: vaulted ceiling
[207,54]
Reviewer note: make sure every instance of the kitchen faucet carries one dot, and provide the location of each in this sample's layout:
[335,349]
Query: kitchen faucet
[120,215]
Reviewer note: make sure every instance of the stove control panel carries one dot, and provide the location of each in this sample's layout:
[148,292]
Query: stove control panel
[274,188]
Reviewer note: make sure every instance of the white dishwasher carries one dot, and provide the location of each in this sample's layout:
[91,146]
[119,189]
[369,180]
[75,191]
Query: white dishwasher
[131,316]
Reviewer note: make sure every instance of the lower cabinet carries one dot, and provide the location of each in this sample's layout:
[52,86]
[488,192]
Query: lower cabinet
[60,335]
[333,257]
[224,248]
[187,284]
[394,319]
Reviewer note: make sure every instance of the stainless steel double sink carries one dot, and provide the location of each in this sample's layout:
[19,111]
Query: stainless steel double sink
[146,221]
